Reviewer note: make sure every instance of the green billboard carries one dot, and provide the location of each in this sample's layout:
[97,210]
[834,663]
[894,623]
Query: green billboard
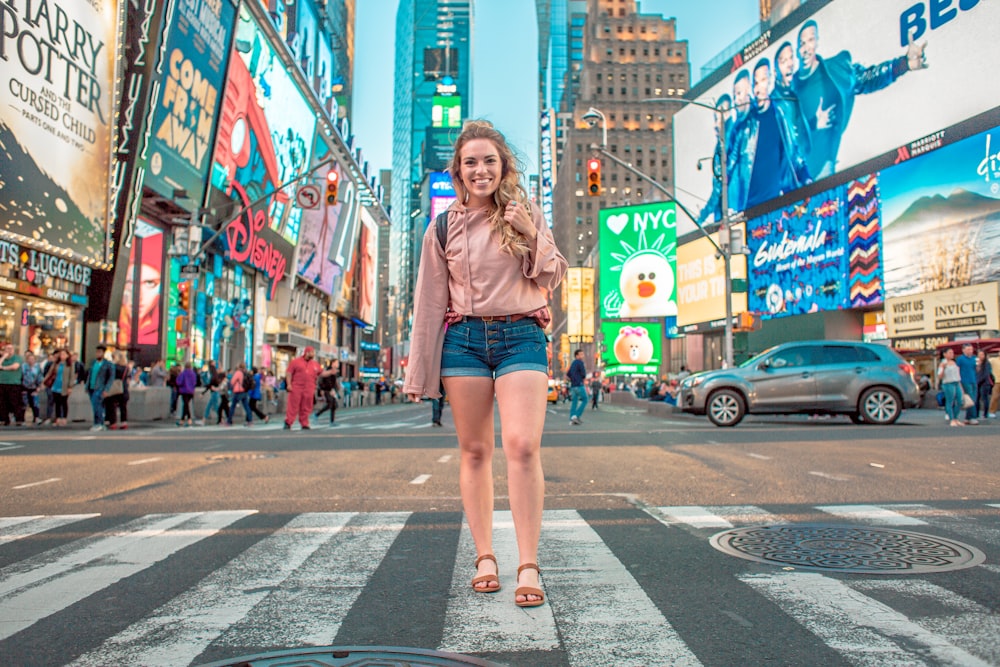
[632,347]
[638,261]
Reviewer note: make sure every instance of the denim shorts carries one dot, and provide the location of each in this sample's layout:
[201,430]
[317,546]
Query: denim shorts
[474,348]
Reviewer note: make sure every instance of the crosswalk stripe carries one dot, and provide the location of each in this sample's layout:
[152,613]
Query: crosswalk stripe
[320,592]
[605,616]
[177,632]
[723,516]
[41,585]
[862,629]
[499,625]
[19,527]
[873,514]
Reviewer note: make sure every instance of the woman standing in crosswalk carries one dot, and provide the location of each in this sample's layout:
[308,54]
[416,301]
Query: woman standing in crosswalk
[479,312]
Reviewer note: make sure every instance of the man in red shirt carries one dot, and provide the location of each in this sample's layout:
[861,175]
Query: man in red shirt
[300,379]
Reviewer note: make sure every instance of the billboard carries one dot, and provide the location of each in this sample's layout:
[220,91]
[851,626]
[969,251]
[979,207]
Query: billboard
[58,74]
[266,128]
[367,269]
[446,111]
[188,99]
[855,81]
[701,282]
[578,297]
[141,314]
[316,234]
[632,347]
[944,312]
[442,193]
[822,253]
[638,256]
[942,217]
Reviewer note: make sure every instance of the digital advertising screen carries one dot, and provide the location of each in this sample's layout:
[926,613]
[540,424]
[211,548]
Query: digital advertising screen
[183,126]
[58,74]
[442,192]
[701,282]
[638,246]
[632,347]
[942,217]
[141,314]
[820,254]
[266,128]
[855,81]
[316,234]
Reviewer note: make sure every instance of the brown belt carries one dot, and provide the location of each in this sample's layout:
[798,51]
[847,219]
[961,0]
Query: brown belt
[495,318]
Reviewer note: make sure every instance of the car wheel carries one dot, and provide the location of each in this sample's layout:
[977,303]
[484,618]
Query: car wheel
[726,408]
[880,406]
[857,418]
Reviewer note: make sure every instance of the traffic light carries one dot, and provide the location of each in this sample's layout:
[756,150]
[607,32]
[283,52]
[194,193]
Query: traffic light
[593,177]
[332,181]
[184,296]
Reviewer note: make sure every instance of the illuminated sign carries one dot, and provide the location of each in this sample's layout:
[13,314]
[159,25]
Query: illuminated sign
[183,124]
[701,282]
[632,347]
[57,122]
[638,255]
[833,92]
[548,174]
[970,308]
[446,111]
[940,208]
[823,253]
[578,295]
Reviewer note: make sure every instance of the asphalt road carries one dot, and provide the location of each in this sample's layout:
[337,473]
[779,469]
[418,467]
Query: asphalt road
[166,545]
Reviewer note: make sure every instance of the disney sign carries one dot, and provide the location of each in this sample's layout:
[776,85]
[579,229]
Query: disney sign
[246,243]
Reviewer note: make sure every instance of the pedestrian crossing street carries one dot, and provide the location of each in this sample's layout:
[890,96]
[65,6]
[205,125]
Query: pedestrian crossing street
[625,587]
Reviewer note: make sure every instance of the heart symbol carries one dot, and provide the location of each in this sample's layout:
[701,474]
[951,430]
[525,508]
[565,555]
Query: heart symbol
[616,223]
[30,275]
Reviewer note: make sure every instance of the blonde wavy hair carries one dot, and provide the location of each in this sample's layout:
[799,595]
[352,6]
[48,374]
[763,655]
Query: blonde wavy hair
[511,241]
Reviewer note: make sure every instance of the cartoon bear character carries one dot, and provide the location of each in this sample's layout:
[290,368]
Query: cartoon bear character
[633,346]
[646,283]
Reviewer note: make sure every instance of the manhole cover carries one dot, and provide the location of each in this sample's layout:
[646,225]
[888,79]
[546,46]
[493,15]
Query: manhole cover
[353,656]
[847,549]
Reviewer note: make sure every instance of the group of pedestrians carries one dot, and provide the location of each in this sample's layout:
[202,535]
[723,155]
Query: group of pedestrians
[968,382]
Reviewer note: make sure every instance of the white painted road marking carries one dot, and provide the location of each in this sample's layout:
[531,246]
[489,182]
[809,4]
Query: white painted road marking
[445,458]
[825,475]
[44,481]
[862,629]
[692,515]
[871,514]
[42,585]
[420,479]
[19,527]
[177,632]
[759,456]
[142,461]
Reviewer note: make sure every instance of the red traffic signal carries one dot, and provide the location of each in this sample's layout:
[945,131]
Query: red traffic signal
[593,177]
[332,181]
[184,296]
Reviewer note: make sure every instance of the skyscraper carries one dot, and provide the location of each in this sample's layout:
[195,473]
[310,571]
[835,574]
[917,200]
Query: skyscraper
[627,59]
[432,96]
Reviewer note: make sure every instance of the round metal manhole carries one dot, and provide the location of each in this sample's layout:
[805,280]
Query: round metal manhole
[839,548]
[353,656]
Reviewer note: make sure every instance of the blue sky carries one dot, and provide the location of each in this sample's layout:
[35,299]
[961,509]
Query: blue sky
[505,64]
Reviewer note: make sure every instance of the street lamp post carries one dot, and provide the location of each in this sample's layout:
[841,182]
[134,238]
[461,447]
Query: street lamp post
[723,247]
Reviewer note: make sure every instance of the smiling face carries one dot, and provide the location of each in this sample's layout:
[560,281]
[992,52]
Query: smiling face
[646,279]
[481,169]
[807,47]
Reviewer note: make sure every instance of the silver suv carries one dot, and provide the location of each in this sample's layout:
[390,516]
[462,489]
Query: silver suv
[868,382]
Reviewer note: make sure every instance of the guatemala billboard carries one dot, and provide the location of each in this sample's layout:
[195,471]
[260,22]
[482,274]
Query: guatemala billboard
[58,74]
[183,126]
[638,261]
[822,253]
[632,347]
[856,81]
[942,217]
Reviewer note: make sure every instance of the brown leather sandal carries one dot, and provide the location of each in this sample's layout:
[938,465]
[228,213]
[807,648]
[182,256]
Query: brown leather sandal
[486,577]
[529,590]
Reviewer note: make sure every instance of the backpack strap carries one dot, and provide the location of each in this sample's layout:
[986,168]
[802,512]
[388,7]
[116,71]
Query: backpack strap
[441,224]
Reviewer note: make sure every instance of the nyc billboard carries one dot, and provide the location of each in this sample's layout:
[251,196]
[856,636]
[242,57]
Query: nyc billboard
[638,261]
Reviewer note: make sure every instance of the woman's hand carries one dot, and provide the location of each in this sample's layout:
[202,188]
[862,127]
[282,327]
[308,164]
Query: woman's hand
[414,398]
[519,218]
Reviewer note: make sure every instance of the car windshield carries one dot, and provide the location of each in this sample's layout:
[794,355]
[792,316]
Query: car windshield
[752,360]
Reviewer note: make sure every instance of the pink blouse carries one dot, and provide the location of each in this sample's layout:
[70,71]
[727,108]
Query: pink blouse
[474,278]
